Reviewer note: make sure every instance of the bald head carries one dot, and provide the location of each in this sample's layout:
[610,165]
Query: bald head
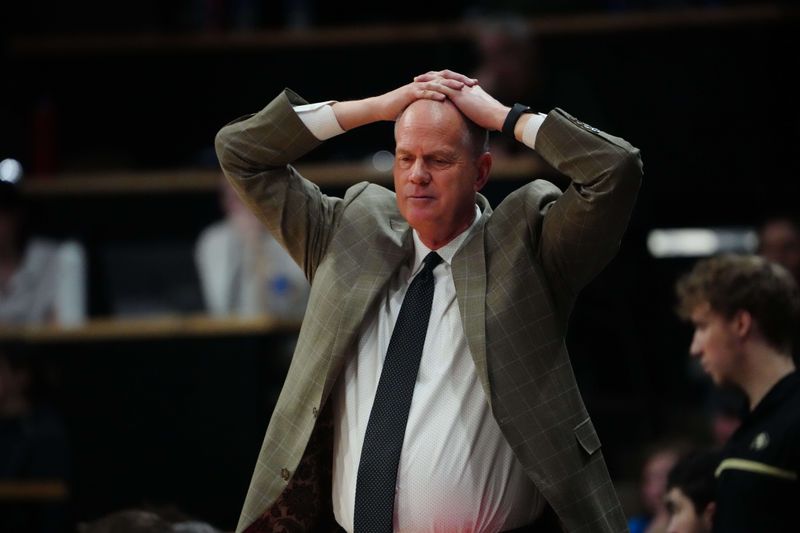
[443,115]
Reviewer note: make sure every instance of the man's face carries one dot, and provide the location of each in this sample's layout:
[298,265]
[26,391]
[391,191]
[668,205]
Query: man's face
[436,173]
[715,344]
[683,517]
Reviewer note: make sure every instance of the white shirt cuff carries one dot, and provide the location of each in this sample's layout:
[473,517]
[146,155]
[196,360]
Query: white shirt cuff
[320,119]
[531,129]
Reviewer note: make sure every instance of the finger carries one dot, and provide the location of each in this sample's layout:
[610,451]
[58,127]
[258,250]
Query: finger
[446,87]
[463,80]
[451,83]
[431,95]
[466,80]
[428,76]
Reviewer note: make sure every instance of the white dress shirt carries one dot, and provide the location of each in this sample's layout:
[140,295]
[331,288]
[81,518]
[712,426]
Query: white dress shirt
[49,286]
[248,275]
[457,472]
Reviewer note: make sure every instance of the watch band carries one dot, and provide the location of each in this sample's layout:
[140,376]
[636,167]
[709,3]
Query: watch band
[513,117]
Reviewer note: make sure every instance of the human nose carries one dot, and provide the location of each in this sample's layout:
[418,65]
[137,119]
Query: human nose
[418,174]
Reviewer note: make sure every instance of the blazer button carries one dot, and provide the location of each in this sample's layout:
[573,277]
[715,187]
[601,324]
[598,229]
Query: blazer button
[285,474]
[315,412]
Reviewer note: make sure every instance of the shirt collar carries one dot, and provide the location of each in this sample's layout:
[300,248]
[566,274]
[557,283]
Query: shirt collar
[446,252]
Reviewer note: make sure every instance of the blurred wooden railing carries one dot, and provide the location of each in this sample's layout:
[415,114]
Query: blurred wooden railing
[148,328]
[29,491]
[323,174]
[373,34]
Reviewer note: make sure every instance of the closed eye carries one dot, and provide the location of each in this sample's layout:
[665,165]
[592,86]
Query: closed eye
[403,160]
[441,162]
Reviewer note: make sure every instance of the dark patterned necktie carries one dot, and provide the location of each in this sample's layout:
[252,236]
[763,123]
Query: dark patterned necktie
[383,440]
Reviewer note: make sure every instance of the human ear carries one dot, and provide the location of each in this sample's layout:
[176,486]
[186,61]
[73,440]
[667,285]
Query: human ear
[708,515]
[484,167]
[742,323]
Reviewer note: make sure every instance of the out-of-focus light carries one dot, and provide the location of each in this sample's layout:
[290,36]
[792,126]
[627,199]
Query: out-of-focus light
[700,242]
[10,170]
[383,160]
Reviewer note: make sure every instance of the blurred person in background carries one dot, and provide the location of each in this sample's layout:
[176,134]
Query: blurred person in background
[726,409]
[511,66]
[691,491]
[243,270]
[166,520]
[779,241]
[41,282]
[33,444]
[658,461]
[744,311]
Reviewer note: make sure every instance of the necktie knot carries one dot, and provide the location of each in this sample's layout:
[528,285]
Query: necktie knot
[431,260]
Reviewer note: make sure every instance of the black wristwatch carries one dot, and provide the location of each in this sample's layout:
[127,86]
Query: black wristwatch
[513,117]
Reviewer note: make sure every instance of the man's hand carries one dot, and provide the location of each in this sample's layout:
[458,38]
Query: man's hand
[478,105]
[388,106]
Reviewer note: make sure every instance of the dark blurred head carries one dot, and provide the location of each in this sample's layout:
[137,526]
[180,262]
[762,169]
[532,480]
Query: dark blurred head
[691,486]
[13,230]
[507,56]
[15,379]
[779,241]
[128,521]
[659,459]
[728,406]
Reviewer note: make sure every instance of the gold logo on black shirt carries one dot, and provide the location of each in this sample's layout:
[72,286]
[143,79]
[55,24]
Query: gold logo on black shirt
[760,442]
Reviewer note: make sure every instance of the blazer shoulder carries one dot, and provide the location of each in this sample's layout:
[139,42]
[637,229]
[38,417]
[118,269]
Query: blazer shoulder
[526,204]
[371,196]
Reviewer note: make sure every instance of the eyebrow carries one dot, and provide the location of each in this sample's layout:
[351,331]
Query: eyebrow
[447,154]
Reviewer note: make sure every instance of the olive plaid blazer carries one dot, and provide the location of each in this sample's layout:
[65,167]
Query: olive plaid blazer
[516,281]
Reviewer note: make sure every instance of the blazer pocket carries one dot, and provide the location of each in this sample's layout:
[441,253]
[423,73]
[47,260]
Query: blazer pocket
[587,436]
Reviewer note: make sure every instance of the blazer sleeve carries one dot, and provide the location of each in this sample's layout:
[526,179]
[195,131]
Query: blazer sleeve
[255,153]
[582,229]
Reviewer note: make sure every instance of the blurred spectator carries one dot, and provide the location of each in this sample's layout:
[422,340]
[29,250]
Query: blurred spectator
[779,241]
[691,493]
[128,521]
[659,460]
[144,521]
[727,407]
[511,67]
[243,270]
[33,445]
[744,310]
[40,281]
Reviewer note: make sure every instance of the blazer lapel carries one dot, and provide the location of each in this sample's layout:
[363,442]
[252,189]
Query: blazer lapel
[373,267]
[469,277]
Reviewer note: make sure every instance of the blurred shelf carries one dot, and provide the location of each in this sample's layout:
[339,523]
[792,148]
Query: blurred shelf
[104,44]
[323,174]
[149,328]
[33,491]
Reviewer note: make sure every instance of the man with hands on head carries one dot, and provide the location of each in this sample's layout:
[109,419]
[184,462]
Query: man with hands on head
[430,388]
